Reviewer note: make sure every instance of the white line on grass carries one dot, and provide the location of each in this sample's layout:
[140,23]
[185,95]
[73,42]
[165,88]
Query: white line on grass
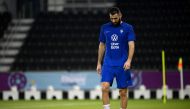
[36,106]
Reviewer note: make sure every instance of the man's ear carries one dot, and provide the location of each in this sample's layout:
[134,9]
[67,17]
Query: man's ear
[120,15]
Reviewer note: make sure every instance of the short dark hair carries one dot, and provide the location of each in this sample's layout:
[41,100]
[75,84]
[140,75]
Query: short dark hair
[114,10]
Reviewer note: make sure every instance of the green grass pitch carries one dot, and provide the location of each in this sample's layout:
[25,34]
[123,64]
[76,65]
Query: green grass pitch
[93,104]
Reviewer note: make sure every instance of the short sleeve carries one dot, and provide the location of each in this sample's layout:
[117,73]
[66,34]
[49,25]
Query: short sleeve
[102,37]
[131,34]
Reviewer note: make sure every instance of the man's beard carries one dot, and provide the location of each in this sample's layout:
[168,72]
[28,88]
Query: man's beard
[117,23]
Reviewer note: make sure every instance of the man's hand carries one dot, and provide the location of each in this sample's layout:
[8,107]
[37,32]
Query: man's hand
[99,68]
[127,65]
[101,51]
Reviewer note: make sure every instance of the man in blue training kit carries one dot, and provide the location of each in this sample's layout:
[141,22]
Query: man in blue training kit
[117,40]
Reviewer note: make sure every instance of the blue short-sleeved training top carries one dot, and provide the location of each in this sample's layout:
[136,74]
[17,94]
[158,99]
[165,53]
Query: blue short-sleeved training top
[116,39]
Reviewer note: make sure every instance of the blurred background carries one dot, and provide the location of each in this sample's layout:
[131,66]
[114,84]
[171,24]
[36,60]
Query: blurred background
[53,44]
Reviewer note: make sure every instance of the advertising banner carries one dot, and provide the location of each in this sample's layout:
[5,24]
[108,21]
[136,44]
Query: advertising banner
[86,80]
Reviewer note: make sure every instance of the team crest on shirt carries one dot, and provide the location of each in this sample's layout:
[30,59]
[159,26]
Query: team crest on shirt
[114,37]
[121,31]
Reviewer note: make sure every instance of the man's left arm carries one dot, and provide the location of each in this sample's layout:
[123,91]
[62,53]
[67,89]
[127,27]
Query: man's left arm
[127,64]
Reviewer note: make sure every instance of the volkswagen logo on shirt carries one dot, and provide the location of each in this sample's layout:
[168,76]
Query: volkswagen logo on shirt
[114,44]
[114,37]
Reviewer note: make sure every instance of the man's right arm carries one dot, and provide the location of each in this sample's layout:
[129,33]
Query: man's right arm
[101,51]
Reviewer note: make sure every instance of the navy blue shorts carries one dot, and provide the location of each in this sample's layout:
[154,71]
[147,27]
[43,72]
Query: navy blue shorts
[123,78]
